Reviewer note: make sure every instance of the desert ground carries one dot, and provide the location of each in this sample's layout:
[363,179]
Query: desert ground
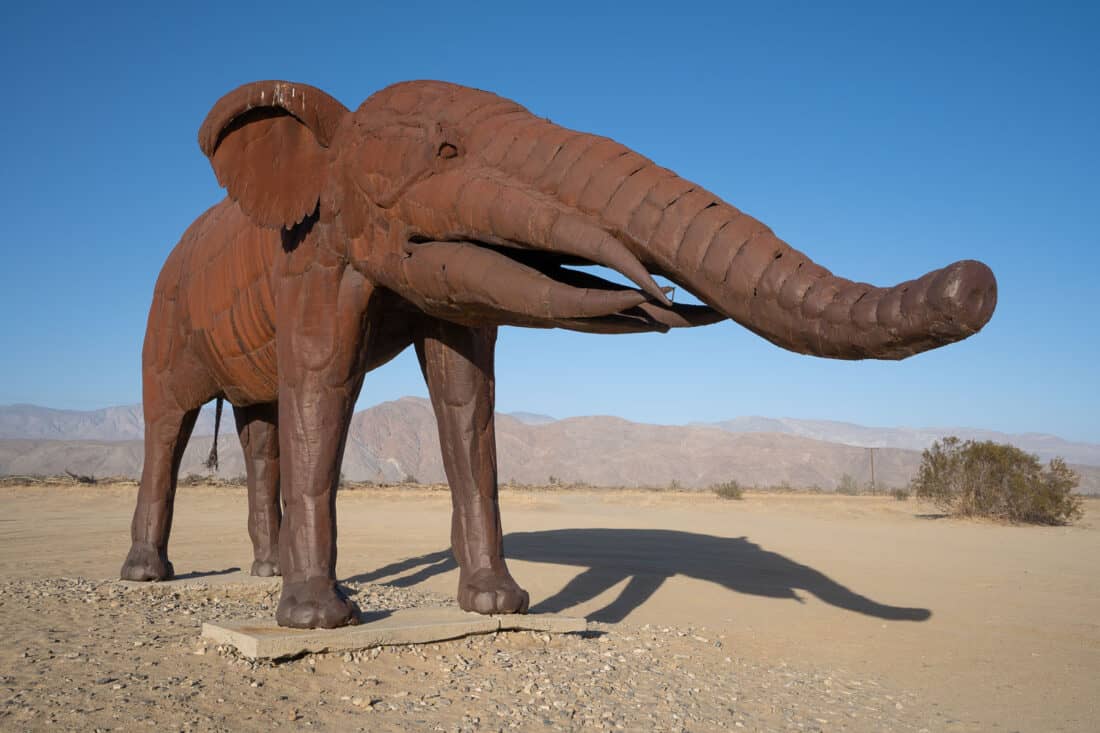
[778,612]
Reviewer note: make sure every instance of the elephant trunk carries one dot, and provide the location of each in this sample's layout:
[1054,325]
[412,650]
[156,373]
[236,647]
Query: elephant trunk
[741,268]
[738,266]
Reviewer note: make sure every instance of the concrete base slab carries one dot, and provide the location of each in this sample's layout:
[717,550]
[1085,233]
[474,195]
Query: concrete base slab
[263,639]
[233,576]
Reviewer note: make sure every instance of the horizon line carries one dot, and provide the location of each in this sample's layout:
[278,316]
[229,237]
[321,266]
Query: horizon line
[691,423]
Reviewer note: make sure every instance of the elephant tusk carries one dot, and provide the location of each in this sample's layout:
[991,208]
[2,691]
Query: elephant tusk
[448,277]
[671,316]
[682,316]
[615,324]
[520,218]
[573,235]
[645,318]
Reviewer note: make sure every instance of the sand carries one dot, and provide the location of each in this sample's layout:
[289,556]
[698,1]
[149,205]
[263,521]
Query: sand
[864,612]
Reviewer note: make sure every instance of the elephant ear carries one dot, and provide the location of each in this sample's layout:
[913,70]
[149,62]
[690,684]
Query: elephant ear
[267,144]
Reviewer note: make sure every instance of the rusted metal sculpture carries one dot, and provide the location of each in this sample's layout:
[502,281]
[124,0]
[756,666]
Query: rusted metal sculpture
[430,216]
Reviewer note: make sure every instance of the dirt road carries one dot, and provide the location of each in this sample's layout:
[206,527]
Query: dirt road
[776,612]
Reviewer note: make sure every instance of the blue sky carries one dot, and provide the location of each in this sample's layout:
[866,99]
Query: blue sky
[884,140]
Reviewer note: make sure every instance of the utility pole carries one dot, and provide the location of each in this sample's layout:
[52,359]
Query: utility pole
[873,490]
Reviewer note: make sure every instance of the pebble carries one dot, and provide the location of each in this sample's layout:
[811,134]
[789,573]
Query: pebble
[614,677]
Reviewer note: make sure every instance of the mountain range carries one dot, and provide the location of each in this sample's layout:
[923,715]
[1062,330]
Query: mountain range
[396,440]
[1044,445]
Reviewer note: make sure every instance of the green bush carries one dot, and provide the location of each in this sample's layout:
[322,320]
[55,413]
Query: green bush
[988,479]
[729,490]
[900,494]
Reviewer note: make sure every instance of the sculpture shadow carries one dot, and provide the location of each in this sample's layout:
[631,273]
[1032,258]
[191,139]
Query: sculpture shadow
[194,574]
[646,558]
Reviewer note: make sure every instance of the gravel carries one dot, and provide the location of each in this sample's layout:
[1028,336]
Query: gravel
[91,655]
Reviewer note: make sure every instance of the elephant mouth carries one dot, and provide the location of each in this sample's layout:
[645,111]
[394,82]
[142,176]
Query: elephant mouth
[507,283]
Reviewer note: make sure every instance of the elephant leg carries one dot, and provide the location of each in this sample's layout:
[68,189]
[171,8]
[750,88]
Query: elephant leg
[257,426]
[167,430]
[322,325]
[313,424]
[457,362]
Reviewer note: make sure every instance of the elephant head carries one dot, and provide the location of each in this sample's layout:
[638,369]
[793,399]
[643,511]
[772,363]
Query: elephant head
[476,210]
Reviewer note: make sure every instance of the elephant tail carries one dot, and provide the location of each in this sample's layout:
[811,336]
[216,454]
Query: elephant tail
[212,459]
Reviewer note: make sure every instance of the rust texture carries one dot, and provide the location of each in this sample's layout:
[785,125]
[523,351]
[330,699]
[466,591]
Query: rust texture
[429,217]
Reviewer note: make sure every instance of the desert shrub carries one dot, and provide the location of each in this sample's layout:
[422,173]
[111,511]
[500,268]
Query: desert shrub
[410,479]
[729,490]
[900,494]
[987,479]
[847,485]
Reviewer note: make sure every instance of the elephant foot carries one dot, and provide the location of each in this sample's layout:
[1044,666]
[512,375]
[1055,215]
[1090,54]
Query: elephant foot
[265,568]
[491,591]
[316,603]
[144,563]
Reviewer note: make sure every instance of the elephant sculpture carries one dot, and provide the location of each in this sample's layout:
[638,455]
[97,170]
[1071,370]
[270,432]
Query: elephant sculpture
[432,215]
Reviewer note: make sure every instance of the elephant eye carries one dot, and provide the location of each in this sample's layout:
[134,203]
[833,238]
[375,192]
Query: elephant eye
[446,150]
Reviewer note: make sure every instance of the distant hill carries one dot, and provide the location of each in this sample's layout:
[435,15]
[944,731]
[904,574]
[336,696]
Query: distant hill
[1045,446]
[124,422]
[398,439]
